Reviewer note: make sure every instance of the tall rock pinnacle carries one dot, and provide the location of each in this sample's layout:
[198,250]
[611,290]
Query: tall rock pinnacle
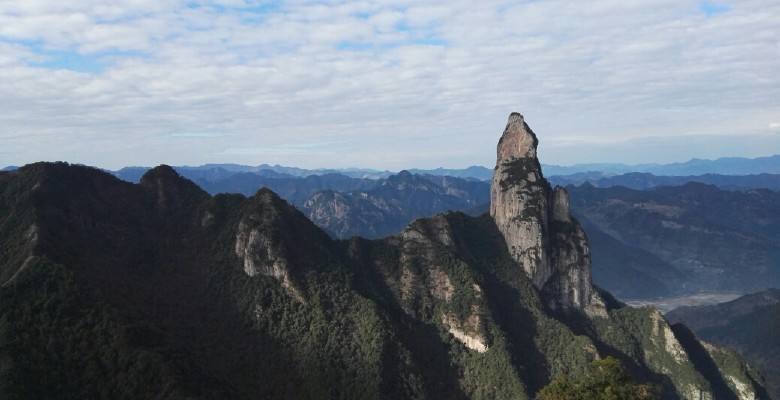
[518,199]
[537,226]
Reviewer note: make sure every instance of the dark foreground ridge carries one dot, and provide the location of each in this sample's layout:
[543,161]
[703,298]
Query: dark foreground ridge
[157,290]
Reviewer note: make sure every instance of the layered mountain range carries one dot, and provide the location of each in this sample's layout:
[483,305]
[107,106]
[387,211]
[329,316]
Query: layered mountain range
[110,289]
[645,181]
[731,172]
[697,236]
[631,268]
[645,243]
[346,206]
[659,242]
[392,203]
[723,166]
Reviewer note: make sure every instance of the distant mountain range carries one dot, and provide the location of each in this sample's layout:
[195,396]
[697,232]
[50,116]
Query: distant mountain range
[294,189]
[646,242]
[723,166]
[133,174]
[683,239]
[749,324]
[644,181]
[654,242]
[577,173]
[473,172]
[346,206]
[216,179]
[392,204]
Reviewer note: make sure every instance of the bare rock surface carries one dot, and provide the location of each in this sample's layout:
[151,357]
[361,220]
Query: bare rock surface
[536,223]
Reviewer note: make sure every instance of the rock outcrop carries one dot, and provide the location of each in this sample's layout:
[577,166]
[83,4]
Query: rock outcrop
[535,221]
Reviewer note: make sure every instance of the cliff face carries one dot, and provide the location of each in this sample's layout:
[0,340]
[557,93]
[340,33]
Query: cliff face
[536,223]
[519,198]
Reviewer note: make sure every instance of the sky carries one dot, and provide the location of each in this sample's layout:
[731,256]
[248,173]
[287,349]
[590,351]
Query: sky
[385,84]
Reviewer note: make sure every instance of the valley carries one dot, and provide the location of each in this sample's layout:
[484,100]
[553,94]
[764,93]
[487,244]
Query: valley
[698,299]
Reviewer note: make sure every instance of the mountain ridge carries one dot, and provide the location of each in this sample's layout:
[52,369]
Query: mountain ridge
[727,166]
[190,295]
[645,181]
[723,165]
[346,206]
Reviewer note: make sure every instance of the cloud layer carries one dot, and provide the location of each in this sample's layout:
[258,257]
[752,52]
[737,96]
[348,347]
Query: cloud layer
[388,84]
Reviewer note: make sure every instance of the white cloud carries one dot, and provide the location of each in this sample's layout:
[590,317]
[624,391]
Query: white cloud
[378,83]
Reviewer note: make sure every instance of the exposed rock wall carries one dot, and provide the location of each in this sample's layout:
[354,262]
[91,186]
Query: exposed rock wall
[519,200]
[536,223]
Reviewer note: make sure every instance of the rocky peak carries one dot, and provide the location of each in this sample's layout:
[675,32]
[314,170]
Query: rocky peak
[535,221]
[161,171]
[400,178]
[273,238]
[170,189]
[518,140]
[519,199]
[406,179]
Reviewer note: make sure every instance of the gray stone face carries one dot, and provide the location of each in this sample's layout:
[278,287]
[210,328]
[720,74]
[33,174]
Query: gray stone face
[518,199]
[262,252]
[534,219]
[561,211]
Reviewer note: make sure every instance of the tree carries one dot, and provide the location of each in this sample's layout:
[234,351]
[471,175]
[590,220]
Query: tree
[605,380]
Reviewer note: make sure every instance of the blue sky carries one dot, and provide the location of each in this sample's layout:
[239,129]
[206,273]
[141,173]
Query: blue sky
[385,84]
[712,8]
